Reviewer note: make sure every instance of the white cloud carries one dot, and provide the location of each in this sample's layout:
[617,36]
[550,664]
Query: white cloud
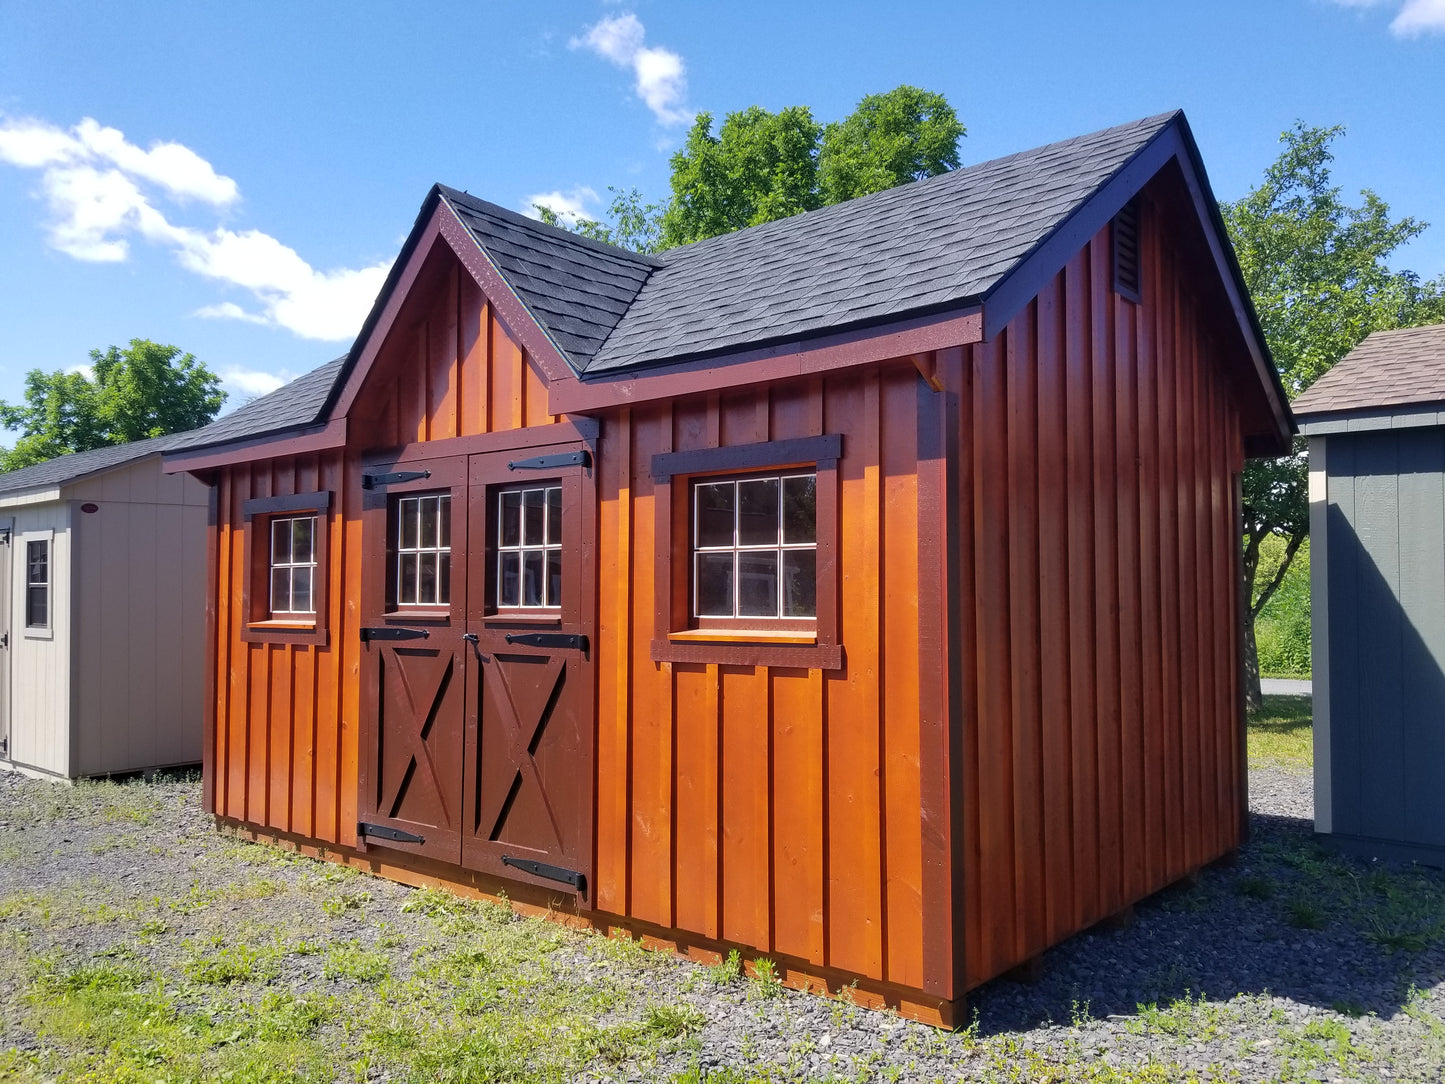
[1419,17]
[1414,18]
[250,382]
[661,74]
[568,206]
[93,181]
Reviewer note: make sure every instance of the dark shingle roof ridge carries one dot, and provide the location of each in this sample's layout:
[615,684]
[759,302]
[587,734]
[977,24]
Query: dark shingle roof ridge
[65,469]
[293,405]
[953,176]
[553,233]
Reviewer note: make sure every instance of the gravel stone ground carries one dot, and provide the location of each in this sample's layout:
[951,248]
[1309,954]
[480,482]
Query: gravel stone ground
[1290,964]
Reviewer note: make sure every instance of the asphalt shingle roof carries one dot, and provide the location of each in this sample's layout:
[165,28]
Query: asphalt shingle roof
[923,247]
[288,407]
[67,468]
[1389,368]
[578,289]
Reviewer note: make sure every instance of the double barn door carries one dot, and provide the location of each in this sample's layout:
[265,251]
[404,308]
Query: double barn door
[477,684]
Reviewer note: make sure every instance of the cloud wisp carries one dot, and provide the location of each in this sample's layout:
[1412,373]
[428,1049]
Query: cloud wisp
[581,202]
[661,76]
[1414,19]
[102,192]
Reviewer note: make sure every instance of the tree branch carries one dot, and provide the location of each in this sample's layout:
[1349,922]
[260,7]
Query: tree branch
[1278,578]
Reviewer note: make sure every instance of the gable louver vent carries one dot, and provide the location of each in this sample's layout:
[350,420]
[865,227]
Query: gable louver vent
[1126,251]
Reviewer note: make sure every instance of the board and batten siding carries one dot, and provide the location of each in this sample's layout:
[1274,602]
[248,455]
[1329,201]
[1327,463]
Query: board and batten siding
[40,660]
[773,807]
[1378,520]
[138,570]
[283,717]
[1097,654]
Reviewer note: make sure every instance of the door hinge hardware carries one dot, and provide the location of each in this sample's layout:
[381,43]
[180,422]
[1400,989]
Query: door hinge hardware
[581,458]
[381,831]
[388,632]
[4,639]
[552,873]
[471,637]
[371,481]
[575,641]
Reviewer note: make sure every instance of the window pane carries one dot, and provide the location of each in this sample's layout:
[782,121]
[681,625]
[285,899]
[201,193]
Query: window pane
[758,512]
[444,521]
[509,579]
[444,595]
[554,516]
[37,559]
[427,507]
[426,578]
[301,539]
[532,578]
[280,541]
[715,515]
[758,584]
[407,513]
[554,577]
[37,607]
[533,509]
[406,579]
[800,509]
[280,590]
[511,518]
[301,590]
[800,583]
[715,585]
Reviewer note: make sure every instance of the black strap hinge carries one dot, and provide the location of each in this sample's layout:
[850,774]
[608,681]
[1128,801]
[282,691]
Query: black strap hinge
[372,481]
[575,641]
[581,458]
[390,632]
[552,873]
[381,831]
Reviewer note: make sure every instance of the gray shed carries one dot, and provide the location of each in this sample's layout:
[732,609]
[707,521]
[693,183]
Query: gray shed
[1376,429]
[102,613]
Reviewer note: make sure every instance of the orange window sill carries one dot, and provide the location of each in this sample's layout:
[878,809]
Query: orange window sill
[742,636]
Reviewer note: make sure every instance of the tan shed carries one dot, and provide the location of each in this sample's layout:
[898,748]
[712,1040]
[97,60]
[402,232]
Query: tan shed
[102,613]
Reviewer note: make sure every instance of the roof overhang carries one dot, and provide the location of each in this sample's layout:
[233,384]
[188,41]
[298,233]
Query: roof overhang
[26,497]
[1374,419]
[296,441]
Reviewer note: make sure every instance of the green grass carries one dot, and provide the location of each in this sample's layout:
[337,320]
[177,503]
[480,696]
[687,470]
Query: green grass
[1281,734]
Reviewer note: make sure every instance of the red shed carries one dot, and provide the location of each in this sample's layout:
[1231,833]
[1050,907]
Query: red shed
[860,590]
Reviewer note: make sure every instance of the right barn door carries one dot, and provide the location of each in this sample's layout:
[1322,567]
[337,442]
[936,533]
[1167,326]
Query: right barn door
[531,611]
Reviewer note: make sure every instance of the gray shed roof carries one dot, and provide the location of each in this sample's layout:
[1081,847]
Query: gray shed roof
[1389,368]
[64,469]
[925,247]
[290,406]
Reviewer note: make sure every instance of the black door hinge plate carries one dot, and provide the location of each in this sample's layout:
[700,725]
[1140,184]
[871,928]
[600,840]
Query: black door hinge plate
[552,873]
[388,632]
[571,640]
[381,831]
[548,462]
[372,481]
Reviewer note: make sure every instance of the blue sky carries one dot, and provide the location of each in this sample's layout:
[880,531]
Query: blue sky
[236,178]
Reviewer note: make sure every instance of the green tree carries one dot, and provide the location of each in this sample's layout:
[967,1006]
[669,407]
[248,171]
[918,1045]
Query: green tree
[762,166]
[904,135]
[144,390]
[1316,268]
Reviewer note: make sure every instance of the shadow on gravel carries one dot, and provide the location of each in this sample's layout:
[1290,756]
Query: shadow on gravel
[1290,918]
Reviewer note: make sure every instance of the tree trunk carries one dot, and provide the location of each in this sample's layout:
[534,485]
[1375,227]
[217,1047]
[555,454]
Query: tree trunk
[1253,693]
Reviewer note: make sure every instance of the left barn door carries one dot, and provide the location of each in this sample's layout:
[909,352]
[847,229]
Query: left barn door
[414,658]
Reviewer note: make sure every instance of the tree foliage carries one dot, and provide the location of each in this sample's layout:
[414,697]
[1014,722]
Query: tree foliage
[1316,268]
[890,139]
[760,166]
[144,390]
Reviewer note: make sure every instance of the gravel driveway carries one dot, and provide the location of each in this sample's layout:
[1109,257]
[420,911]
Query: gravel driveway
[1289,965]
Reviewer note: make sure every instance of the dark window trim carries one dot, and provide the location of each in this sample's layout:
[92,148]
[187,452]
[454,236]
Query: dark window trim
[676,635]
[48,625]
[258,626]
